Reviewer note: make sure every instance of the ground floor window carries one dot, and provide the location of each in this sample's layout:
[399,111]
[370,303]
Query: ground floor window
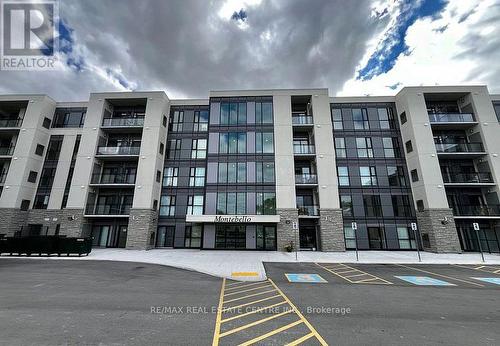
[230,237]
[406,238]
[487,235]
[193,236]
[266,237]
[109,235]
[376,238]
[165,236]
[350,237]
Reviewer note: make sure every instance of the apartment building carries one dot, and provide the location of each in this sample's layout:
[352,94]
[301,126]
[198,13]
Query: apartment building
[256,169]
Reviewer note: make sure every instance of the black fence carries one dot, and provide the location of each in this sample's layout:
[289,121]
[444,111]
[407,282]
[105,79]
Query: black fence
[45,245]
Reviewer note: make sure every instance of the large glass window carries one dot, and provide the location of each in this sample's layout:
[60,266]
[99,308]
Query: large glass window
[340,150]
[177,121]
[368,176]
[230,237]
[386,118]
[360,118]
[195,205]
[396,176]
[263,112]
[343,173]
[232,172]
[231,203]
[192,236]
[232,143]
[234,113]
[401,205]
[337,118]
[167,206]
[391,147]
[350,237]
[200,121]
[373,207]
[170,176]
[266,203]
[264,172]
[264,142]
[174,149]
[197,176]
[406,238]
[69,117]
[364,147]
[346,205]
[199,149]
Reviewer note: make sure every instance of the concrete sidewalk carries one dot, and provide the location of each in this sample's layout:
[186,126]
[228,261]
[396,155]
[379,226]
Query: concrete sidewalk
[249,264]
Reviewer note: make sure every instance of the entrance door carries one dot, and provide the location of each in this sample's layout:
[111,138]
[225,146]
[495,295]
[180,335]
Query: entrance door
[165,237]
[122,235]
[266,238]
[376,238]
[307,237]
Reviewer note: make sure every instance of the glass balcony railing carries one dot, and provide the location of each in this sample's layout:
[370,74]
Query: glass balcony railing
[303,149]
[476,210]
[103,150]
[108,209]
[138,121]
[308,210]
[11,122]
[302,119]
[451,118]
[113,178]
[3,176]
[7,151]
[459,147]
[306,179]
[468,178]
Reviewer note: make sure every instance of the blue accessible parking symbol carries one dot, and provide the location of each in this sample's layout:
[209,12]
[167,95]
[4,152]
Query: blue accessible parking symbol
[495,281]
[307,278]
[424,281]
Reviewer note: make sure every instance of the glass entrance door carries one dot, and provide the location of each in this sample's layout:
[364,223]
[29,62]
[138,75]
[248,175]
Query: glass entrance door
[307,237]
[376,238]
[266,238]
[165,237]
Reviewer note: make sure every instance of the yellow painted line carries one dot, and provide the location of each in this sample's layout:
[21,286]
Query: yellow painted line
[272,317]
[253,311]
[241,286]
[306,322]
[236,274]
[383,281]
[276,331]
[441,275]
[497,271]
[215,341]
[347,271]
[246,304]
[355,275]
[250,295]
[479,267]
[301,340]
[481,270]
[366,280]
[237,283]
[247,290]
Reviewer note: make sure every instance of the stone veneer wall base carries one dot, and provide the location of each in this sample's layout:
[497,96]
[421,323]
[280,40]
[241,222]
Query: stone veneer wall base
[142,227]
[285,232]
[443,236]
[331,230]
[12,220]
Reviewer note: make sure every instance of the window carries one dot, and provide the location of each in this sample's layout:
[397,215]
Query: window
[414,175]
[391,147]
[402,116]
[192,236]
[364,146]
[158,176]
[46,123]
[386,118]
[230,237]
[346,205]
[373,207]
[199,149]
[71,172]
[368,176]
[233,113]
[343,174]
[162,148]
[406,238]
[232,143]
[164,121]
[174,149]
[340,150]
[177,121]
[39,149]
[264,142]
[401,206]
[409,147]
[25,204]
[200,121]
[32,176]
[264,172]
[155,204]
[360,118]
[69,117]
[233,172]
[231,203]
[420,205]
[266,203]
[350,237]
[337,119]
[263,112]
[396,176]
[195,205]
[197,176]
[170,175]
[167,206]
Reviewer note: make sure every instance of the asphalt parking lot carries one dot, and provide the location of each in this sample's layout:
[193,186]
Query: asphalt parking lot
[60,302]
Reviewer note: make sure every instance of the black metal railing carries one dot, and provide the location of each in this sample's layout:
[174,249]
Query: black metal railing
[303,149]
[459,147]
[477,210]
[122,150]
[11,122]
[451,117]
[98,178]
[468,178]
[138,121]
[308,210]
[301,119]
[306,179]
[108,209]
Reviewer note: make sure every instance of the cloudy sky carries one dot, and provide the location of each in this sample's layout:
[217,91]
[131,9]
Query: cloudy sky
[188,47]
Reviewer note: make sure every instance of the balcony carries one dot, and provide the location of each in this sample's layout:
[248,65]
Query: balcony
[113,179]
[302,119]
[468,178]
[7,151]
[123,122]
[306,179]
[492,210]
[3,176]
[308,210]
[108,209]
[118,151]
[304,149]
[11,122]
[461,150]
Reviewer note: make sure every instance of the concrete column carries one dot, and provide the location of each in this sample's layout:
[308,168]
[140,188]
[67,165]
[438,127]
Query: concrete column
[439,227]
[331,230]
